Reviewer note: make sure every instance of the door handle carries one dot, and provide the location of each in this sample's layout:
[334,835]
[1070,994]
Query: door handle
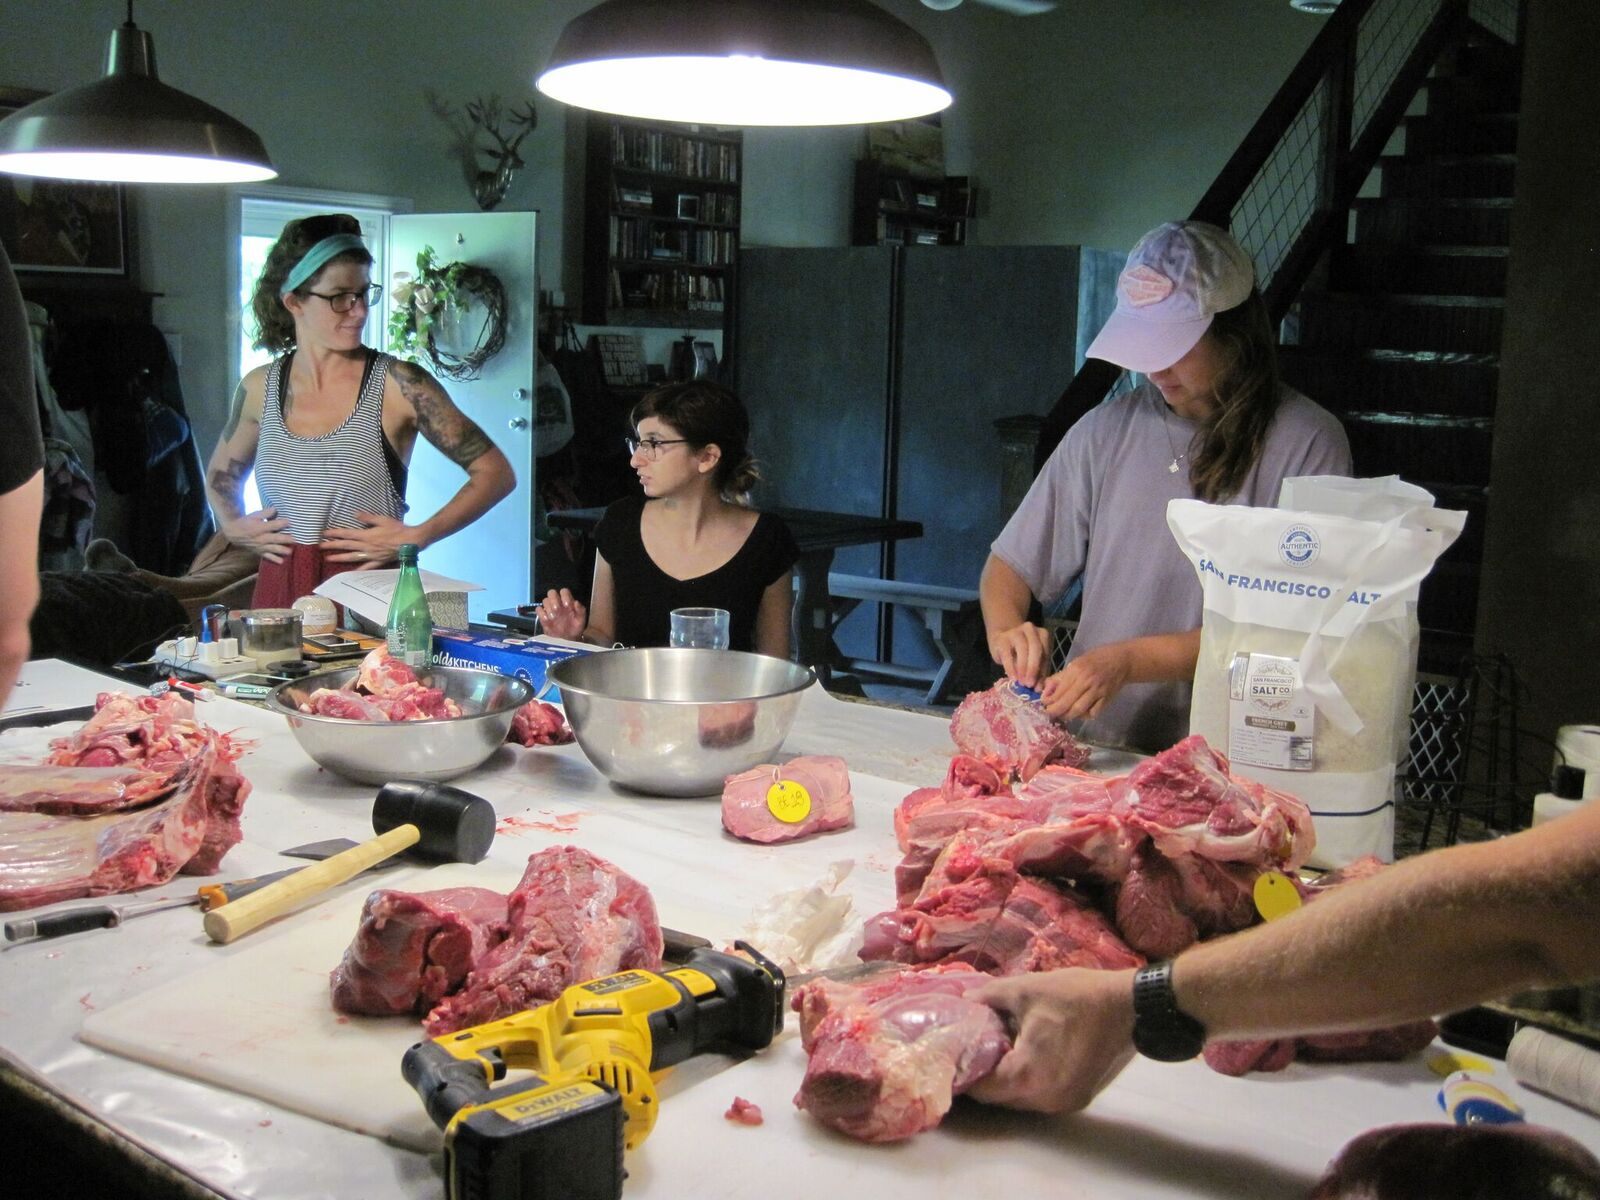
[518,423]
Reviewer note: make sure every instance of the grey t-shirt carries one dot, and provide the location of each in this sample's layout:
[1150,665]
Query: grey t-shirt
[1099,510]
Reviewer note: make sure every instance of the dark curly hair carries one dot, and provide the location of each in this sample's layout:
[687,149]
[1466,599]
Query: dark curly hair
[708,414]
[274,325]
[1247,397]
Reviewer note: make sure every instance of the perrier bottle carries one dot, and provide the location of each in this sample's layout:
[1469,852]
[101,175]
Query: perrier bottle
[410,625]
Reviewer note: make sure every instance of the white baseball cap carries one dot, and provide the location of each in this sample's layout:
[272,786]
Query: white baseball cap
[1178,277]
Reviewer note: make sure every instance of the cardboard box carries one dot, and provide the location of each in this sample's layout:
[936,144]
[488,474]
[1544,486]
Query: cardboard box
[507,653]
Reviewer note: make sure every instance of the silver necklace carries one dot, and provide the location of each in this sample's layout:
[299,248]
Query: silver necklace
[1172,468]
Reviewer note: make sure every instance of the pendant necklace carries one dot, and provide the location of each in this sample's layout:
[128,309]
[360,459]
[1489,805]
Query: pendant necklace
[1172,468]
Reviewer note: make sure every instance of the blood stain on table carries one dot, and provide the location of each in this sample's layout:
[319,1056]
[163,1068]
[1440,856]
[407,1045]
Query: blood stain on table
[559,823]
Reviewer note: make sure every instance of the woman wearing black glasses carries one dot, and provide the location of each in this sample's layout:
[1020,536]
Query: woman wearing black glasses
[690,540]
[328,427]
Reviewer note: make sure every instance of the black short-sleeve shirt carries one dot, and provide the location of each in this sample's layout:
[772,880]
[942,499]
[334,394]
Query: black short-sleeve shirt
[21,451]
[646,595]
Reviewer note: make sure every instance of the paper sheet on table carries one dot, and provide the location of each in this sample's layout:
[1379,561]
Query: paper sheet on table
[367,593]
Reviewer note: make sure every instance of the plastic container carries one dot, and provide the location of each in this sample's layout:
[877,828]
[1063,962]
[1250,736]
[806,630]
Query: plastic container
[1579,746]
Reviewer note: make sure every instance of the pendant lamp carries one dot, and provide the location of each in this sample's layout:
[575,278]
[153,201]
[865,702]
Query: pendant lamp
[129,127]
[745,62]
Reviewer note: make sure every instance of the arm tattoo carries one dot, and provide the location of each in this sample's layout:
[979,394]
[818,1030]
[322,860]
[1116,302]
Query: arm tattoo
[454,433]
[227,482]
[236,413]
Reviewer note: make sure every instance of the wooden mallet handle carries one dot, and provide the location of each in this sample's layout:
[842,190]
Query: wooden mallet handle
[240,916]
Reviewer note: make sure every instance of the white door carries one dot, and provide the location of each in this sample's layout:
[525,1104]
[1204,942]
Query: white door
[496,550]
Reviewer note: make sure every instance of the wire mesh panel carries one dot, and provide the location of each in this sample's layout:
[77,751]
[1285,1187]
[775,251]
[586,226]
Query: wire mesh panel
[1280,201]
[1387,36]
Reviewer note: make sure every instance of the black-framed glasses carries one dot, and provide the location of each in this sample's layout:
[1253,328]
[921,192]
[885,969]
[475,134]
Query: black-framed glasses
[343,302]
[650,447]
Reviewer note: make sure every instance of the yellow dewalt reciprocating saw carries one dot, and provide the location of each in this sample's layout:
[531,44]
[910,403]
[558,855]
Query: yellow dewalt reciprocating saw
[559,1134]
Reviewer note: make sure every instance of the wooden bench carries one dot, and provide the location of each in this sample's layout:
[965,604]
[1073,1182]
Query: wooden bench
[941,610]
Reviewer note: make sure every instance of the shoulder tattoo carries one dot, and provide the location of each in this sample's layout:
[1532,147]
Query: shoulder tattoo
[455,434]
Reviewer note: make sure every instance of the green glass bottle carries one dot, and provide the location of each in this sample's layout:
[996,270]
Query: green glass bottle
[410,625]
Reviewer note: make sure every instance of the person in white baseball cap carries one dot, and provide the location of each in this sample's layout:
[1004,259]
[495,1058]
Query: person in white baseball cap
[1211,421]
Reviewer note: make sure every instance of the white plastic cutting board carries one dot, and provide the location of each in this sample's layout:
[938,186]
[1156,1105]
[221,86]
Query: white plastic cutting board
[259,1021]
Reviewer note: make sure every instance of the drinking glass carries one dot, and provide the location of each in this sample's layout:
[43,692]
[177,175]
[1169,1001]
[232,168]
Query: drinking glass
[700,628]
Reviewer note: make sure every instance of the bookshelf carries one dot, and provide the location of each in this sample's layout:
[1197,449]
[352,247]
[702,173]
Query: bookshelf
[661,227]
[895,208]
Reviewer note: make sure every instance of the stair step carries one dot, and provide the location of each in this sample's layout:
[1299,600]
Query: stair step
[1452,176]
[1394,381]
[1478,56]
[1420,446]
[1477,133]
[1469,324]
[1424,270]
[1412,221]
[1499,92]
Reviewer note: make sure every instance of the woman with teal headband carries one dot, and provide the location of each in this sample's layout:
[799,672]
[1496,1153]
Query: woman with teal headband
[329,425]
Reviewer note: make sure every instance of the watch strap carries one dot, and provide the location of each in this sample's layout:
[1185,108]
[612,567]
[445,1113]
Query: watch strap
[1161,1030]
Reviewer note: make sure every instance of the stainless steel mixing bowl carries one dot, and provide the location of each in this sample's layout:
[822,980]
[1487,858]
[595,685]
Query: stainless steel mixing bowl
[675,722]
[378,751]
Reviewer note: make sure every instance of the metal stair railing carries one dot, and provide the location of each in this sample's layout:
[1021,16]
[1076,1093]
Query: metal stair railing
[1286,190]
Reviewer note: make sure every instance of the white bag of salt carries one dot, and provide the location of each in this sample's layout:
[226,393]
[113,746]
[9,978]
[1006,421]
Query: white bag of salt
[1308,651]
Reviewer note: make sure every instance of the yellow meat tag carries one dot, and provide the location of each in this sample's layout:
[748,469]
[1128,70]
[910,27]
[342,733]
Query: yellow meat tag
[789,801]
[1275,895]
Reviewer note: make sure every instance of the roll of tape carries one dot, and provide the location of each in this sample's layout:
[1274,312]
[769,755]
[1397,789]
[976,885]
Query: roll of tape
[1557,1067]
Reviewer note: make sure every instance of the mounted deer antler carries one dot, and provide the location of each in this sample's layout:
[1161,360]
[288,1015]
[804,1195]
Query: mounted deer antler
[489,186]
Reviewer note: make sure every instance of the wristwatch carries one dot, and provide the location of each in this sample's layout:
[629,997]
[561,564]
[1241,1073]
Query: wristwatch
[1161,1030]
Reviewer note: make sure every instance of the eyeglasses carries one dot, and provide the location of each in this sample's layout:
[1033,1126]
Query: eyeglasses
[650,447]
[343,302]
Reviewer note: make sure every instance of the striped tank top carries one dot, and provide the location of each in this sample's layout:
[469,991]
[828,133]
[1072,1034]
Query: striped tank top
[321,483]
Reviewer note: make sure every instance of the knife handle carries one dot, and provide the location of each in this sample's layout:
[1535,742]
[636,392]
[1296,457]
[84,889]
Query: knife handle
[29,929]
[215,895]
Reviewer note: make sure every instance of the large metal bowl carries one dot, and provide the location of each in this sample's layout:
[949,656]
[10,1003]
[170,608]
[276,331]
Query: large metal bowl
[673,722]
[378,751]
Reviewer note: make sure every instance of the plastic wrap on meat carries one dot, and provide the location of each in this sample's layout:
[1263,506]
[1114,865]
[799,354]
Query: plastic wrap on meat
[886,1057]
[83,841]
[1012,733]
[748,804]
[573,917]
[412,949]
[539,724]
[1451,1162]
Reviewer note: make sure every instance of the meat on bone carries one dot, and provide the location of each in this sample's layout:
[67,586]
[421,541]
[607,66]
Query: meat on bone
[175,806]
[1012,733]
[887,1056]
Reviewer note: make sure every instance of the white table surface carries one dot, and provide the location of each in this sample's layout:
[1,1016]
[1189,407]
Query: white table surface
[1158,1131]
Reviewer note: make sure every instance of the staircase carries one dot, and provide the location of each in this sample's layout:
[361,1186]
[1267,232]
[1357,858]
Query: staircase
[1399,329]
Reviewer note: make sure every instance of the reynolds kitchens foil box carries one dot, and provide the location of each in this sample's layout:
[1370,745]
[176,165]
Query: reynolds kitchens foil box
[509,653]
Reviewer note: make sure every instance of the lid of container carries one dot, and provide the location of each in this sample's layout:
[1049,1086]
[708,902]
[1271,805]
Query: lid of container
[271,616]
[1566,781]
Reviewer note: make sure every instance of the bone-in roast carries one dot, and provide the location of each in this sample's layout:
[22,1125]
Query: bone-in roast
[1013,733]
[139,793]
[887,1056]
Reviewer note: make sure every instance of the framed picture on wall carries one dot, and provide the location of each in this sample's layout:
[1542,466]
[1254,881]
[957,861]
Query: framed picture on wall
[61,226]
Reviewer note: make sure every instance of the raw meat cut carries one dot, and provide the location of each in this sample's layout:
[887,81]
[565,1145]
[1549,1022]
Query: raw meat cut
[384,689]
[980,911]
[827,803]
[414,948]
[539,724]
[86,841]
[887,1056]
[573,917]
[1012,733]
[743,1112]
[1187,802]
[1454,1162]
